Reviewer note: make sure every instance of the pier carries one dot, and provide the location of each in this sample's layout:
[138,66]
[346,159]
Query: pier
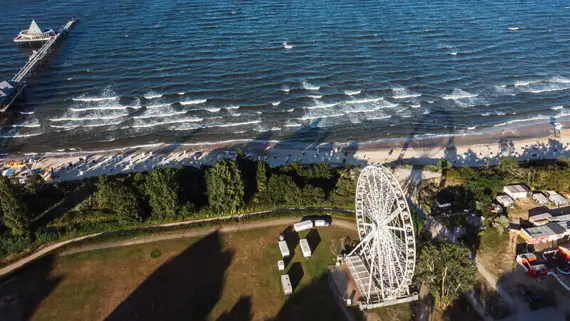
[10,90]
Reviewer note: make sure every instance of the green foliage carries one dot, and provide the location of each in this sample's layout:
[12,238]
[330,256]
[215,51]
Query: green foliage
[508,165]
[418,221]
[345,187]
[500,223]
[311,196]
[15,213]
[155,253]
[447,270]
[162,187]
[319,171]
[261,177]
[225,187]
[119,197]
[282,190]
[444,164]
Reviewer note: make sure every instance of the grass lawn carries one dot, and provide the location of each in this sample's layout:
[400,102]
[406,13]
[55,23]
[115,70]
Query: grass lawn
[230,276]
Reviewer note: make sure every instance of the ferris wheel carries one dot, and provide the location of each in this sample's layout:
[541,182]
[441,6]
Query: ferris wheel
[383,263]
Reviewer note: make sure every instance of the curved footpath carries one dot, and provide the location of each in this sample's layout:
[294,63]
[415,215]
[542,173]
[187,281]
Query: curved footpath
[182,234]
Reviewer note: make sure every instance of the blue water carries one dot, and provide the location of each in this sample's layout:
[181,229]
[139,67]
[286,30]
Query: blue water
[135,72]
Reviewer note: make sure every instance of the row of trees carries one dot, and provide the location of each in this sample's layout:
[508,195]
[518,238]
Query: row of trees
[169,194]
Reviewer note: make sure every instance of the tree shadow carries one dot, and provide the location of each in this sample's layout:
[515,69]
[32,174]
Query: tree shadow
[313,238]
[186,287]
[22,292]
[240,312]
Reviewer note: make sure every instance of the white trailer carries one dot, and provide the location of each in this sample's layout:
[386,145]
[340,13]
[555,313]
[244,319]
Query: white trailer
[301,226]
[284,249]
[280,265]
[321,223]
[305,248]
[286,283]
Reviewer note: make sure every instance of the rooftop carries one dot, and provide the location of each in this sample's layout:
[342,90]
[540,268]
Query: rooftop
[521,188]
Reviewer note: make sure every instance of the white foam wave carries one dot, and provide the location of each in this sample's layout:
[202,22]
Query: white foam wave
[513,28]
[364,100]
[459,94]
[453,53]
[152,95]
[181,93]
[212,110]
[556,107]
[315,96]
[275,103]
[378,117]
[403,93]
[193,102]
[427,112]
[159,115]
[85,125]
[287,46]
[231,107]
[236,124]
[309,86]
[25,125]
[319,116]
[485,114]
[539,117]
[352,92]
[17,135]
[519,83]
[293,125]
[94,99]
[87,118]
[117,107]
[157,106]
[170,122]
[27,112]
[285,89]
[320,106]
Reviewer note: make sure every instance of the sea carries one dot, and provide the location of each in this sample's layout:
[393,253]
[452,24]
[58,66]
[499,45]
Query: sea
[170,71]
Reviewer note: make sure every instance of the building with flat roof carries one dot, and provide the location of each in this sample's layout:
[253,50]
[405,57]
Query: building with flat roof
[548,232]
[517,191]
[505,200]
[556,198]
[539,198]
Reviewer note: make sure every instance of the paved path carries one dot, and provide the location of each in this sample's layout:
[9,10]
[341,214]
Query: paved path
[200,232]
[153,238]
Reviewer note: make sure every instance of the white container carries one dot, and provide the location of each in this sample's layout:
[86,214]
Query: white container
[305,248]
[301,226]
[286,283]
[280,265]
[319,223]
[284,249]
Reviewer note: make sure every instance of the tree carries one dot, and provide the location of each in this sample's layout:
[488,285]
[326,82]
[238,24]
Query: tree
[225,187]
[260,180]
[448,271]
[162,188]
[119,197]
[501,223]
[16,214]
[282,190]
[311,195]
[345,187]
[508,165]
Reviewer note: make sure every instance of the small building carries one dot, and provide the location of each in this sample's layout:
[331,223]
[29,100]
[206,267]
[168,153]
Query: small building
[539,198]
[540,219]
[286,283]
[556,198]
[517,191]
[281,265]
[321,223]
[505,200]
[284,249]
[305,248]
[545,233]
[304,225]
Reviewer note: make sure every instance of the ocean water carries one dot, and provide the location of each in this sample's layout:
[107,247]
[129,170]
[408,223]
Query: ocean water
[173,71]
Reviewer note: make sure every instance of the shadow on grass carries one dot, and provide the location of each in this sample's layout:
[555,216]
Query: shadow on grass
[22,293]
[314,239]
[240,312]
[186,287]
[315,301]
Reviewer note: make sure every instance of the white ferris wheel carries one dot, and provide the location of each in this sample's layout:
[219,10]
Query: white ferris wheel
[382,264]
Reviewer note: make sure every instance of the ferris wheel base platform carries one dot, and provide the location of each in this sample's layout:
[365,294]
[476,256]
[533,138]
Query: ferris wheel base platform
[412,297]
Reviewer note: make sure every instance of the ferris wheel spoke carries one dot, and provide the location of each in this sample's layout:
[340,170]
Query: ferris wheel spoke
[394,228]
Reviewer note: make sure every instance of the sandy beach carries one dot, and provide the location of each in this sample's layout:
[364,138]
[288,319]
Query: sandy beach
[534,141]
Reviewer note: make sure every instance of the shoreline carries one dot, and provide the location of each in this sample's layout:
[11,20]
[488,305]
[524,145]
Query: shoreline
[524,142]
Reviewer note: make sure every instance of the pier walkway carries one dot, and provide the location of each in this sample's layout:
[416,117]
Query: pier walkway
[15,86]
